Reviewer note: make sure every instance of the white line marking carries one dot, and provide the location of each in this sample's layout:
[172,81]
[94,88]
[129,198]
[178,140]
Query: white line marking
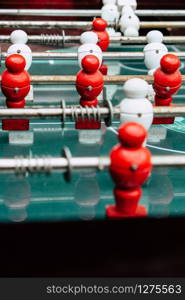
[165,149]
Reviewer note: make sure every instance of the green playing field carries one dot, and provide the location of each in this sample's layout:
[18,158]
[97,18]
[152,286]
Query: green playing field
[49,197]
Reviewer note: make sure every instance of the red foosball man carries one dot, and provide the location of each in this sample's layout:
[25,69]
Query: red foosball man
[89,84]
[167,81]
[99,27]
[130,167]
[15,85]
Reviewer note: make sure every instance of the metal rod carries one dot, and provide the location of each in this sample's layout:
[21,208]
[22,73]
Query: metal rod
[89,12]
[49,164]
[70,79]
[83,24]
[51,112]
[60,40]
[106,55]
[57,112]
[52,12]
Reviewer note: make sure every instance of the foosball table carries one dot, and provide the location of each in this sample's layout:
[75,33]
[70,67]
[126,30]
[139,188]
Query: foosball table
[69,198]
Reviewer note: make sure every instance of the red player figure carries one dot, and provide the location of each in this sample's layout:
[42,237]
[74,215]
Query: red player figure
[15,85]
[167,81]
[89,84]
[130,167]
[99,27]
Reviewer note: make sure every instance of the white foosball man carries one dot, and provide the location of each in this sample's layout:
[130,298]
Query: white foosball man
[129,22]
[89,46]
[122,3]
[110,13]
[154,50]
[135,107]
[19,39]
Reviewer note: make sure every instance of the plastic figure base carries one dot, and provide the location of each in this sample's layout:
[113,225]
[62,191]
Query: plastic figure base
[87,124]
[113,213]
[10,124]
[163,120]
[21,138]
[90,137]
[156,134]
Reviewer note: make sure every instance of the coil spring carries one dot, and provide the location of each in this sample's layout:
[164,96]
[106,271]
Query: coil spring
[88,112]
[53,39]
[85,112]
[42,165]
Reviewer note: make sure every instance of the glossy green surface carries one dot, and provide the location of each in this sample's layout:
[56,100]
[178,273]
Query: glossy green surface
[49,197]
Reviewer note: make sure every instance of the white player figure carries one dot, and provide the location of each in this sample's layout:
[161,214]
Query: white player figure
[154,50]
[19,39]
[129,22]
[110,13]
[89,40]
[135,107]
[122,3]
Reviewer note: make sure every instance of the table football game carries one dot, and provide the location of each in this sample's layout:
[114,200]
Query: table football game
[75,82]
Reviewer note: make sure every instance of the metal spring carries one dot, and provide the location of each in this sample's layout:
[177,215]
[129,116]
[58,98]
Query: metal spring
[42,165]
[89,112]
[86,112]
[53,39]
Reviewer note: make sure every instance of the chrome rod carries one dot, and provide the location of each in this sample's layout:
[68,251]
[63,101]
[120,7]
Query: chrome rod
[60,40]
[89,12]
[70,79]
[106,55]
[73,111]
[83,24]
[52,164]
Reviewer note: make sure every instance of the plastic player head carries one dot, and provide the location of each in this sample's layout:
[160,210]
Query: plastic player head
[90,64]
[154,51]
[122,3]
[154,36]
[99,24]
[15,63]
[127,9]
[89,47]
[132,135]
[110,13]
[18,37]
[135,88]
[170,63]
[89,37]
[135,107]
